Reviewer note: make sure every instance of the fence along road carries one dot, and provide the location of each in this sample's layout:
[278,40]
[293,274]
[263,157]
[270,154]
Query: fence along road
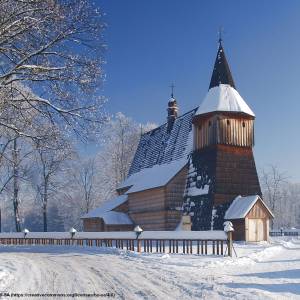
[186,242]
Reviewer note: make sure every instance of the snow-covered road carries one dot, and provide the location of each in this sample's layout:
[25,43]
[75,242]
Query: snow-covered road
[260,272]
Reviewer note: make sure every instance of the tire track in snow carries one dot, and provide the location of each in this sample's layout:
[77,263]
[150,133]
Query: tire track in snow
[133,276]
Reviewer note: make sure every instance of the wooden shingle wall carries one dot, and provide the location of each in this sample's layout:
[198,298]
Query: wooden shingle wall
[235,174]
[97,224]
[159,208]
[146,208]
[174,199]
[93,224]
[222,129]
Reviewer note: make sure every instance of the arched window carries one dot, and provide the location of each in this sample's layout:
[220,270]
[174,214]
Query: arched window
[243,124]
[228,122]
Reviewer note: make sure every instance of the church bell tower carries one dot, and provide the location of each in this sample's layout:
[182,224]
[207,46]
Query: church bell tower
[221,165]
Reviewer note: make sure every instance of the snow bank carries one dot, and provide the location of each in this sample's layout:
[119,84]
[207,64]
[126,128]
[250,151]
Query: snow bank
[5,278]
[286,242]
[60,269]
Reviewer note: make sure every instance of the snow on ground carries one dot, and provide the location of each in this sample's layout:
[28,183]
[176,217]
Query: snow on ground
[261,271]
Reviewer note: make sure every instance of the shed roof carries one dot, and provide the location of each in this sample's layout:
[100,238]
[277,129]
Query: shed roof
[241,206]
[106,207]
[115,218]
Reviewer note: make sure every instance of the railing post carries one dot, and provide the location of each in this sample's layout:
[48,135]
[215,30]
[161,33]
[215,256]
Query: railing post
[229,243]
[228,228]
[139,246]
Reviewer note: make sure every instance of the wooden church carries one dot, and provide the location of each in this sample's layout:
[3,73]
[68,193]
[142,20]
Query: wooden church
[194,171]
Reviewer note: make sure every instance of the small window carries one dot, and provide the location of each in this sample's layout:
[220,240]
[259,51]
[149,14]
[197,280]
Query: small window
[209,123]
[228,122]
[243,124]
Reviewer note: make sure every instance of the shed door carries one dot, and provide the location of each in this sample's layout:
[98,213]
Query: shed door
[256,230]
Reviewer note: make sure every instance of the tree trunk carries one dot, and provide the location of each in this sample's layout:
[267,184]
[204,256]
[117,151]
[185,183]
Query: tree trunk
[45,200]
[16,186]
[45,218]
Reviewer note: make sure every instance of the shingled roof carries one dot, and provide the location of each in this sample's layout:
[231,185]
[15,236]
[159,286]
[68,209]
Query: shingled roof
[221,73]
[159,146]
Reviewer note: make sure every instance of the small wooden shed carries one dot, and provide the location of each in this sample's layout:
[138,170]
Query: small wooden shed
[250,217]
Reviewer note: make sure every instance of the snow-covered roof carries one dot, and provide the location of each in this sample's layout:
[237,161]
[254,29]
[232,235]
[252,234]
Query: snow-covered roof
[241,206]
[160,146]
[115,218]
[156,176]
[106,207]
[224,98]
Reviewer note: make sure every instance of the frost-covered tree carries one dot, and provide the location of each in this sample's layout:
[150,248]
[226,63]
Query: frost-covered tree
[51,55]
[93,180]
[14,171]
[55,50]
[122,136]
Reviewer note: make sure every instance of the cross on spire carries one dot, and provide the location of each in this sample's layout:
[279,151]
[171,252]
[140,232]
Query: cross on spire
[220,32]
[172,89]
[221,72]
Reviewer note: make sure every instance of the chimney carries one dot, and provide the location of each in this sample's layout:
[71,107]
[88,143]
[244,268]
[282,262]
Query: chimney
[172,113]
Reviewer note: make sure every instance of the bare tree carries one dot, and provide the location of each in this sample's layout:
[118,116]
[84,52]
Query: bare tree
[84,176]
[273,185]
[15,161]
[14,170]
[49,162]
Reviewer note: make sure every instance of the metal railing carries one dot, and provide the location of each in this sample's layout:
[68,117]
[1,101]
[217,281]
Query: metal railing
[284,233]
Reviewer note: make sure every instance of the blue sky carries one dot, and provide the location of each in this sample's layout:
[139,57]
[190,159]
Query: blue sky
[153,43]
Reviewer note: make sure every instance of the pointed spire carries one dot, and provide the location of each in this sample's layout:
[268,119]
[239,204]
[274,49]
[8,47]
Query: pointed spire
[221,73]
